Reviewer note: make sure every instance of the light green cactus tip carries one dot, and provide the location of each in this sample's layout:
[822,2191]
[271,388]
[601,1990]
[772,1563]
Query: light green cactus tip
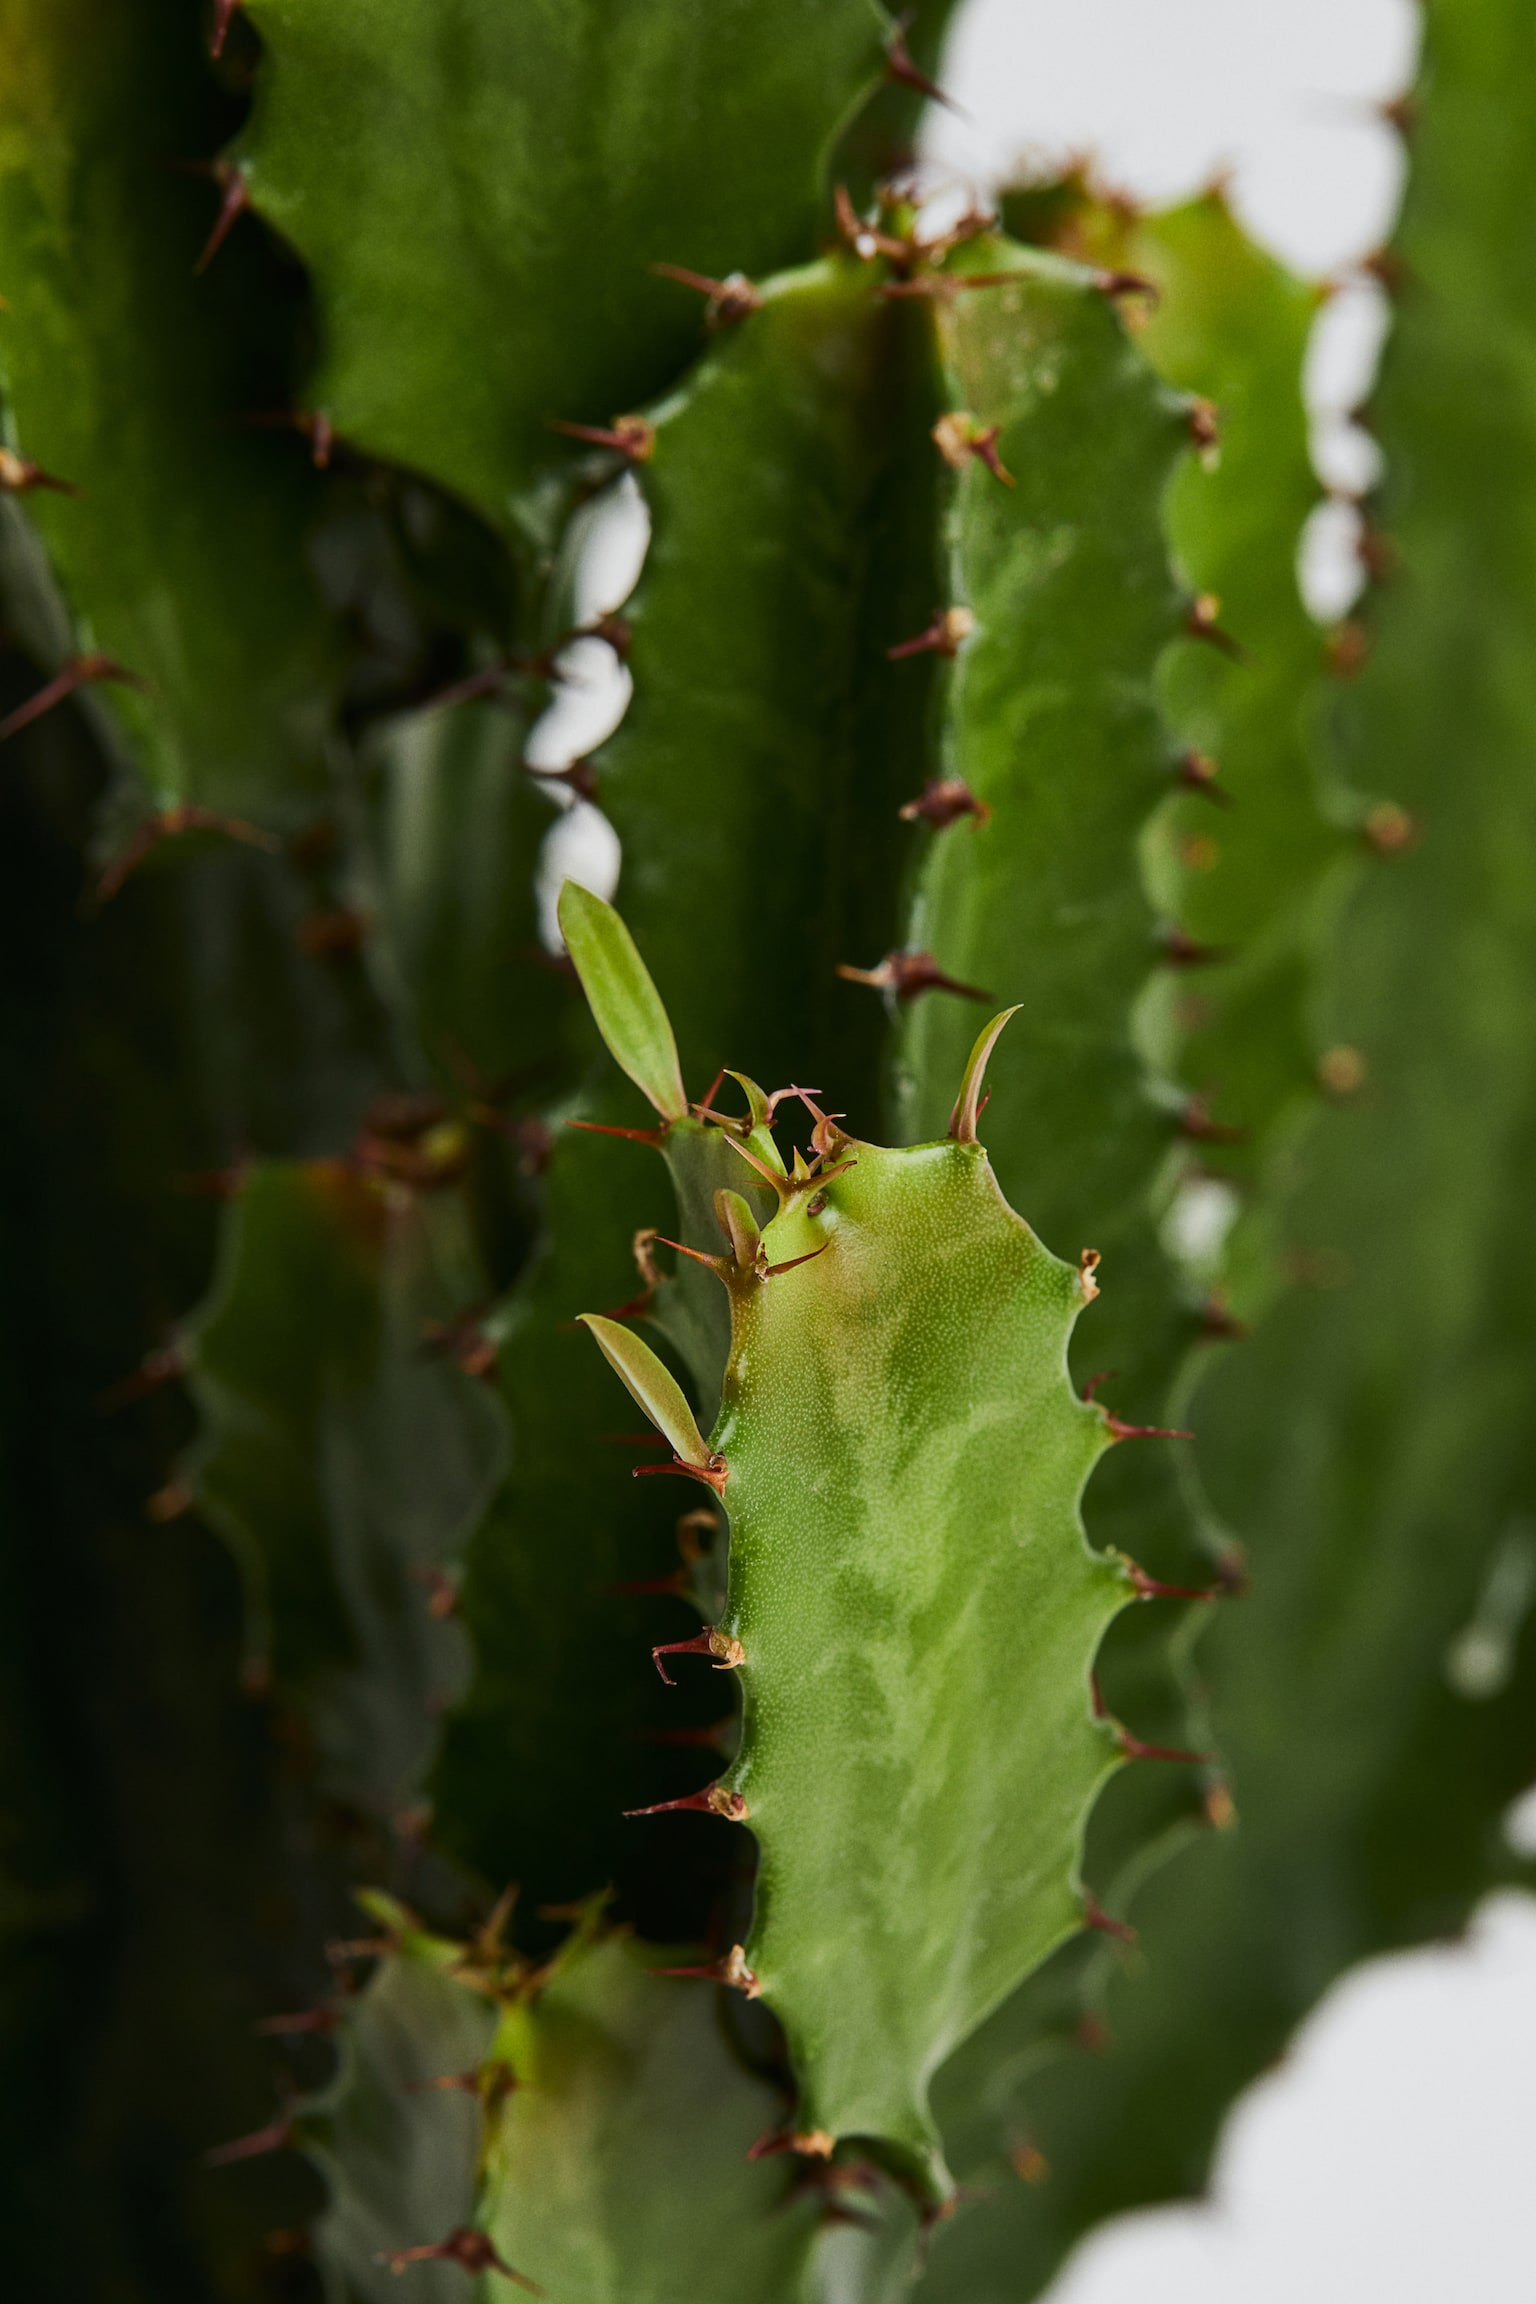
[913,1610]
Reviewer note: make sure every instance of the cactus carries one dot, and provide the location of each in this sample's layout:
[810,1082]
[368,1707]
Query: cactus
[330,1577]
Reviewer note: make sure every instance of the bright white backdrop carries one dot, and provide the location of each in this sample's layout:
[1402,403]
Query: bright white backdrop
[1392,2158]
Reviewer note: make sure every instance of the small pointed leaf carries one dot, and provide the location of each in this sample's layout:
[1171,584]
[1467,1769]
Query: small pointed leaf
[655,1389]
[625,1003]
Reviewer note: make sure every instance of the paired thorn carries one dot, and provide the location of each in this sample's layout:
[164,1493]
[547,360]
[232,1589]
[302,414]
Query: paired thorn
[727,1652]
[1149,1588]
[236,199]
[942,802]
[714,1800]
[1184,951]
[628,436]
[901,67]
[943,637]
[1197,772]
[714,1474]
[1196,1123]
[905,974]
[655,1137]
[18,474]
[475,2251]
[1118,1429]
[1135,1749]
[224,13]
[81,672]
[275,2137]
[866,240]
[1095,1916]
[1204,623]
[729,300]
[732,1969]
[173,824]
[958,438]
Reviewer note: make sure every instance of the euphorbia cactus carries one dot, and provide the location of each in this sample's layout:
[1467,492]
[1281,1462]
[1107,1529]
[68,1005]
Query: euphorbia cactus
[746,1867]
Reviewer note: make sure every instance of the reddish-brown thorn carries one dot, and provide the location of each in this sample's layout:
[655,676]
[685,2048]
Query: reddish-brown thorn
[465,2083]
[166,1364]
[1218,1323]
[224,12]
[641,1587]
[727,1652]
[731,1968]
[906,974]
[81,673]
[1148,1588]
[475,2251]
[1202,623]
[714,1800]
[1204,424]
[629,436]
[866,240]
[1118,1429]
[1196,1123]
[18,474]
[984,446]
[304,2020]
[655,1137]
[489,682]
[772,1271]
[899,66]
[942,637]
[697,1255]
[943,801]
[171,824]
[714,1474]
[1110,283]
[1183,951]
[1135,1749]
[1104,1376]
[236,200]
[1095,1916]
[275,2137]
[958,437]
[638,1308]
[705,1109]
[729,300]
[1197,772]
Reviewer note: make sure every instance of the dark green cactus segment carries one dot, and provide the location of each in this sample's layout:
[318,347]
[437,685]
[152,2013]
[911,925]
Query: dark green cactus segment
[1052,722]
[1369,1769]
[397,2134]
[770,744]
[452,333]
[345,1459]
[618,2166]
[183,556]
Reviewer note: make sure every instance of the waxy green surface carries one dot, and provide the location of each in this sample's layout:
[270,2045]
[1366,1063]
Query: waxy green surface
[480,189]
[919,1613]
[1370,1445]
[185,556]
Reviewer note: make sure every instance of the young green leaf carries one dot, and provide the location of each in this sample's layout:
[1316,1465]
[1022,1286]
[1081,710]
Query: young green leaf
[624,1001]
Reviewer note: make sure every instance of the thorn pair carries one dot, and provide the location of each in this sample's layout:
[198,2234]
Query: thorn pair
[18,475]
[475,2251]
[942,802]
[628,436]
[714,1800]
[731,1969]
[959,438]
[727,1652]
[729,300]
[905,974]
[943,637]
[81,672]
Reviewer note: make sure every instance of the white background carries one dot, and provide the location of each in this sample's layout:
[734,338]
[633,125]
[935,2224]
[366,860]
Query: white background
[1392,2158]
